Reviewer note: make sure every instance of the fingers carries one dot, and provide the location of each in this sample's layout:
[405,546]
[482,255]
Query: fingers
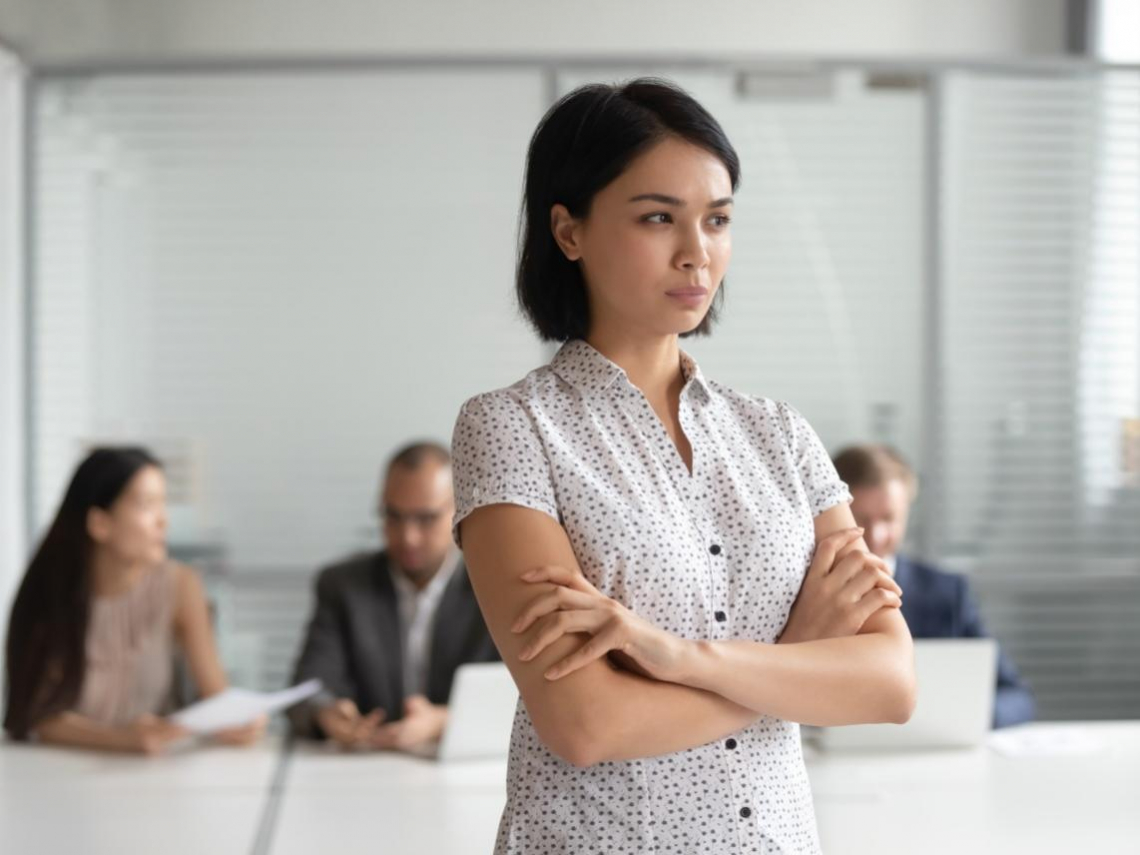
[347,709]
[153,733]
[552,601]
[870,576]
[343,723]
[550,629]
[161,728]
[874,601]
[854,562]
[245,734]
[387,737]
[559,576]
[827,550]
[367,726]
[597,647]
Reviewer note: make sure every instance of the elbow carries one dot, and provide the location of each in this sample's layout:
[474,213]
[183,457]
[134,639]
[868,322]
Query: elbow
[903,704]
[581,755]
[574,747]
[571,741]
[902,694]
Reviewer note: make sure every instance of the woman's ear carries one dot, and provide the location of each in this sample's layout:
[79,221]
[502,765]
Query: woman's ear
[98,525]
[565,230]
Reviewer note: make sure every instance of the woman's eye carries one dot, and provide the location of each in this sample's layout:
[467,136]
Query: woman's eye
[657,218]
[721,220]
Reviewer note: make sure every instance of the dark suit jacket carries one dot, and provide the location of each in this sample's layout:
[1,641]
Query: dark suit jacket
[353,641]
[937,604]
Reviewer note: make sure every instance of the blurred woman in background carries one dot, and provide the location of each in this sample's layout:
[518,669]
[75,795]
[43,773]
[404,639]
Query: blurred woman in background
[100,613]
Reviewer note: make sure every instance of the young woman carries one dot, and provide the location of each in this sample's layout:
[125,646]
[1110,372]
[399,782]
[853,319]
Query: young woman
[637,534]
[94,624]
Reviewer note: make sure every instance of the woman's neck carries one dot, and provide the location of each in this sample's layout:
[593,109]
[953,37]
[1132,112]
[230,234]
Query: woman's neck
[653,365]
[111,574]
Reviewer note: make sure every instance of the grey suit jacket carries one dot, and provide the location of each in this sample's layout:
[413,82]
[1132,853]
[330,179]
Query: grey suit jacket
[353,640]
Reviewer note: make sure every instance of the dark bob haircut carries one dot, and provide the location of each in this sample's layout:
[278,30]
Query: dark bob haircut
[583,143]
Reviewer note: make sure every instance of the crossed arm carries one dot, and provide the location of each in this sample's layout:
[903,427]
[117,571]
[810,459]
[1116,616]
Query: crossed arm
[674,693]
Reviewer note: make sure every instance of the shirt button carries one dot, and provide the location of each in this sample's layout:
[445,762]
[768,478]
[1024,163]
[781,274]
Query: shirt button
[721,617]
[746,812]
[715,549]
[730,743]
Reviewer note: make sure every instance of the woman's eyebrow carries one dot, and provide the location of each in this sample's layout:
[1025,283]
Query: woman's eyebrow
[659,197]
[673,200]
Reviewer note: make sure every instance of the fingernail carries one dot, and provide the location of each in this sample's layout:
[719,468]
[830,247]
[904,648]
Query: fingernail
[551,674]
[525,654]
[530,574]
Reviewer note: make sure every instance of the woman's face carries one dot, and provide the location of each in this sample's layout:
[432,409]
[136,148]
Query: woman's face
[134,527]
[656,242]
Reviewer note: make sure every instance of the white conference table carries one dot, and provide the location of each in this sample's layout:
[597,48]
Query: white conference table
[929,802]
[205,800]
[217,800]
[979,801]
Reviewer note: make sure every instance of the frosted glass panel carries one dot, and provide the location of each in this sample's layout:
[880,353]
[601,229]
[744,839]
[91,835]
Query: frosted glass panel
[276,279]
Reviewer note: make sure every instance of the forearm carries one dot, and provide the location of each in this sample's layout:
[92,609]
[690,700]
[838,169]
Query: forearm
[79,731]
[856,680]
[629,716]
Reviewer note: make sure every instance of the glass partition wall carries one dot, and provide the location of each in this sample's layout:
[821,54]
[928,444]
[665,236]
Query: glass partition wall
[276,275]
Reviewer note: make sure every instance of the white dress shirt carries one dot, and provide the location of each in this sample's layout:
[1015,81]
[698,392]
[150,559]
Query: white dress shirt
[717,553]
[417,610]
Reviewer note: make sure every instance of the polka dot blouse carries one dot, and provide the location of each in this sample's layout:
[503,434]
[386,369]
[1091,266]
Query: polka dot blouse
[718,553]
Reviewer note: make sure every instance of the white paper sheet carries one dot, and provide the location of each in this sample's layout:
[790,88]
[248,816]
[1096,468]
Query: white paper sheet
[1041,740]
[236,707]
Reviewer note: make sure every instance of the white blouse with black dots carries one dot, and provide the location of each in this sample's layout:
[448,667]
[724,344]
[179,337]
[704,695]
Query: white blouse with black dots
[718,553]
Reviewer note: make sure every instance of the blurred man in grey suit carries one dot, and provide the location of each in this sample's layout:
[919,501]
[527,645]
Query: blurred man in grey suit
[390,628]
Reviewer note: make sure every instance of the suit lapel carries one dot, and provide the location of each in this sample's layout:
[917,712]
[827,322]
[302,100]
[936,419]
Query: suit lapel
[450,632]
[387,622]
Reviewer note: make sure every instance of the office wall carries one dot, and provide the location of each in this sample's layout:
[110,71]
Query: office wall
[245,270]
[274,280]
[12,416]
[67,30]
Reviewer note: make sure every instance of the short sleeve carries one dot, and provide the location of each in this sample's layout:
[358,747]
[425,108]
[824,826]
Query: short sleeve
[821,482]
[498,458]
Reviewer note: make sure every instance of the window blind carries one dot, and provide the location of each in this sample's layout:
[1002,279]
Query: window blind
[1039,379]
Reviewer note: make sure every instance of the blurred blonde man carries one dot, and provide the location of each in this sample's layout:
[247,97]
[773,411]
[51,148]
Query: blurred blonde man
[935,604]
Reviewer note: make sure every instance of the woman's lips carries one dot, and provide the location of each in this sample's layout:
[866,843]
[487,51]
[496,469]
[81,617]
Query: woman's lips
[692,297]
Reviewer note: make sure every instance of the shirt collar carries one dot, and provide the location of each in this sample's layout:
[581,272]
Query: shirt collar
[434,589]
[588,371]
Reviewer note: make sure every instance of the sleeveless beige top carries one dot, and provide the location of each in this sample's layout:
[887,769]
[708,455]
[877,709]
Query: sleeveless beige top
[130,651]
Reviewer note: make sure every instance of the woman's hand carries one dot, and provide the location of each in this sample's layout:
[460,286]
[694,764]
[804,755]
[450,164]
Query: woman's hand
[576,606]
[247,734]
[152,734]
[844,586]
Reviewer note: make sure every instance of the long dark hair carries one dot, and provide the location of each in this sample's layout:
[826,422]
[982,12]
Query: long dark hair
[47,632]
[583,143]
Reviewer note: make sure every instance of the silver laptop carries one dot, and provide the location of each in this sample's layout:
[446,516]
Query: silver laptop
[956,679]
[481,711]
